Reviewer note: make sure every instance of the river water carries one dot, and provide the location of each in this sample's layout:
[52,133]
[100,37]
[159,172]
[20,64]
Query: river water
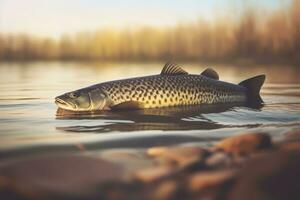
[31,124]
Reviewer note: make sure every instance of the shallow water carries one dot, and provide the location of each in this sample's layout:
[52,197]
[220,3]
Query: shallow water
[30,122]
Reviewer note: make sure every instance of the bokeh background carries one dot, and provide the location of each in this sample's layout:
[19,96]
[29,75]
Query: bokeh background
[265,31]
[50,47]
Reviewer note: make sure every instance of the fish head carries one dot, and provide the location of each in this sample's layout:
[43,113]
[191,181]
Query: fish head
[82,100]
[74,101]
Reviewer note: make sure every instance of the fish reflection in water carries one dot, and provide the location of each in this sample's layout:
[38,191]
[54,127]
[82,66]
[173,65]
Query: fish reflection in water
[172,118]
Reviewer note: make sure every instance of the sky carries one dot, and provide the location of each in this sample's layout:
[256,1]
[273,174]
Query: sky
[53,18]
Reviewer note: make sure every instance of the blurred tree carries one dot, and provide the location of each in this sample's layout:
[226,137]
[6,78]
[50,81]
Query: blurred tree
[277,38]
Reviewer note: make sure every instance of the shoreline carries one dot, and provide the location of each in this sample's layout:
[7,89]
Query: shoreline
[245,62]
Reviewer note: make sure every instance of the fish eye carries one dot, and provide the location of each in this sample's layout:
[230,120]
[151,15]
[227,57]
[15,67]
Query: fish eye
[74,95]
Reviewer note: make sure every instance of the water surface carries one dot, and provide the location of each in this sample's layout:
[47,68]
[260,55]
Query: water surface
[31,123]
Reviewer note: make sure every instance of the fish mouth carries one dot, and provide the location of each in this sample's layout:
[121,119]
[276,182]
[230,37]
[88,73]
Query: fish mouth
[63,104]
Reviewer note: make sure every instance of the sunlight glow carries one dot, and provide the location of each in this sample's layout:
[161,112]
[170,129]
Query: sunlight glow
[53,18]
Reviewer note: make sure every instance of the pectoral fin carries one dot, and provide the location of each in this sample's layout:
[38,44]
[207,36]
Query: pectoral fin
[128,105]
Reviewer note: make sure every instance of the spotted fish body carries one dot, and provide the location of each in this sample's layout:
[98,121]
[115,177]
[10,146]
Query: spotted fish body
[168,90]
[173,87]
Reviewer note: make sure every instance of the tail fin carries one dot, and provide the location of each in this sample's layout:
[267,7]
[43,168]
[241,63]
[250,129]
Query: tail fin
[253,86]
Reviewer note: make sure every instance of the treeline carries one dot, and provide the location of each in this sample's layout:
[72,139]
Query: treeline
[275,39]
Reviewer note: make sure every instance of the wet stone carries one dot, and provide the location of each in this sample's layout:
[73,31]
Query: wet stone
[245,144]
[166,190]
[178,155]
[191,165]
[219,160]
[130,160]
[291,140]
[208,179]
[121,190]
[293,134]
[153,174]
[273,176]
[48,176]
[290,146]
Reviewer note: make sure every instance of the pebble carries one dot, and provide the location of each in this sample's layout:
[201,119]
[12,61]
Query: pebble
[245,144]
[272,176]
[178,155]
[290,142]
[207,179]
[59,174]
[293,134]
[153,174]
[131,160]
[166,190]
[218,160]
[290,146]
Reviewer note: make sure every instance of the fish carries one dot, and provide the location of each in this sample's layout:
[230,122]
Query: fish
[172,87]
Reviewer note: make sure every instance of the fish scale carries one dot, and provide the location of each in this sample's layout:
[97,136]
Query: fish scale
[172,87]
[162,91]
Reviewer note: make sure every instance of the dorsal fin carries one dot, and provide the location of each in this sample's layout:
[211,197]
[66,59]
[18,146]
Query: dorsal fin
[210,73]
[172,69]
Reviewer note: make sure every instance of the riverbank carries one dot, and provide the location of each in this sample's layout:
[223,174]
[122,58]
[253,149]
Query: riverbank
[246,166]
